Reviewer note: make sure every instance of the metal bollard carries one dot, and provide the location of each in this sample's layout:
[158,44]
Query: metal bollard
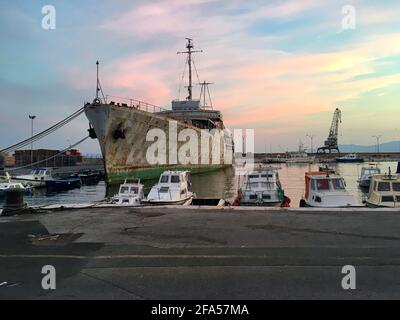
[14,201]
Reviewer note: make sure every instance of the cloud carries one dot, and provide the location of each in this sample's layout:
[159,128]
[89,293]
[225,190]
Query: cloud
[271,62]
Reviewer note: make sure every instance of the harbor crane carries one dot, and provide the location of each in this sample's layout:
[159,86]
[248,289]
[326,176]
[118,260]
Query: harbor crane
[331,143]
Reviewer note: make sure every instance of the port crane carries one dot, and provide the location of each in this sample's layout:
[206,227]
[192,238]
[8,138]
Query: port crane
[331,144]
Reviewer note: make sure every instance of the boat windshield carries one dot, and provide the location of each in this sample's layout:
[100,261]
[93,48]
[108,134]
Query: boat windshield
[164,179]
[174,179]
[134,190]
[267,185]
[323,184]
[384,186]
[124,190]
[371,171]
[338,184]
[396,186]
[252,185]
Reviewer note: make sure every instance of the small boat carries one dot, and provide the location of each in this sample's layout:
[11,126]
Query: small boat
[6,183]
[262,187]
[300,156]
[90,177]
[326,190]
[130,193]
[36,178]
[384,191]
[63,184]
[350,158]
[173,187]
[366,175]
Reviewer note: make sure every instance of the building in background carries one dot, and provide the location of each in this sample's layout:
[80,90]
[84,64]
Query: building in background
[48,158]
[6,160]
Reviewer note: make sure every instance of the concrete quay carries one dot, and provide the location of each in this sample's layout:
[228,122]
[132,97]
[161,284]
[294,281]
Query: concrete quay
[201,253]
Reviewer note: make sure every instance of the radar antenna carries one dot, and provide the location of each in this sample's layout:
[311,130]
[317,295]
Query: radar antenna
[205,90]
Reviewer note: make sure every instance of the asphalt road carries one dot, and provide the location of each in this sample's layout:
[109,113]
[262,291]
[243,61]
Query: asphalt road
[186,253]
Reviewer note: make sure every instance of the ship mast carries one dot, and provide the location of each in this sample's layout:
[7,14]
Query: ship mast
[98,85]
[97,82]
[189,47]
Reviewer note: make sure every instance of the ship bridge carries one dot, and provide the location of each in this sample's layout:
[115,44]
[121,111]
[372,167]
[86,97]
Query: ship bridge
[189,112]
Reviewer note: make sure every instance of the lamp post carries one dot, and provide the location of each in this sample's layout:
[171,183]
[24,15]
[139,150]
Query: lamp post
[311,140]
[378,137]
[32,118]
[399,140]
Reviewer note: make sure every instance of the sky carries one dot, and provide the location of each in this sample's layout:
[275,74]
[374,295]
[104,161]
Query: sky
[278,67]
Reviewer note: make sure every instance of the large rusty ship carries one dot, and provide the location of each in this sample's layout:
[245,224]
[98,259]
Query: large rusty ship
[141,140]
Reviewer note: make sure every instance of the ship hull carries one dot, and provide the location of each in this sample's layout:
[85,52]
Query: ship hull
[122,135]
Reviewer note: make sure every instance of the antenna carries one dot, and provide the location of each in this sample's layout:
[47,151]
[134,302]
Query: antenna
[204,88]
[189,47]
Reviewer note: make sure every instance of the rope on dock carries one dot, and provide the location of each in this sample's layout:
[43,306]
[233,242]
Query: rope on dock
[44,133]
[52,157]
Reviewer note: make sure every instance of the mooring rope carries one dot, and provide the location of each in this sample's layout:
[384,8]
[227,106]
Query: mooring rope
[44,133]
[52,157]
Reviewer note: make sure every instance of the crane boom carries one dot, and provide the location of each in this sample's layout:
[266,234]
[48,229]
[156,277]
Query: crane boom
[332,142]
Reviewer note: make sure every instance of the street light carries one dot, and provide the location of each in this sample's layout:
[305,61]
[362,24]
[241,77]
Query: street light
[32,118]
[399,140]
[377,142]
[311,138]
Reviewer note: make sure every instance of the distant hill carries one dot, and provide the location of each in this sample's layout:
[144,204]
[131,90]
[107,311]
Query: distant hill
[392,146]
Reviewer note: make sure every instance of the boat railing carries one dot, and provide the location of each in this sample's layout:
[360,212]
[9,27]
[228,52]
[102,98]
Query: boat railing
[133,103]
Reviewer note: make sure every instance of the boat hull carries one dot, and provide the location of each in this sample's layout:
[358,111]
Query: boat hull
[309,205]
[62,185]
[122,135]
[166,202]
[263,204]
[364,183]
[373,205]
[33,183]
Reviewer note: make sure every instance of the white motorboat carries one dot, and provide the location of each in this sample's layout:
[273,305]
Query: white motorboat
[384,191]
[6,184]
[36,178]
[130,193]
[173,187]
[262,187]
[366,175]
[326,190]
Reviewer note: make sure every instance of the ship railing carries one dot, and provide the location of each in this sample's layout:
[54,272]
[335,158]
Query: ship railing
[133,103]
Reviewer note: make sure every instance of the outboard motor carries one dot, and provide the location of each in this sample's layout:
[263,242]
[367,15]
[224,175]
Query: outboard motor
[398,167]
